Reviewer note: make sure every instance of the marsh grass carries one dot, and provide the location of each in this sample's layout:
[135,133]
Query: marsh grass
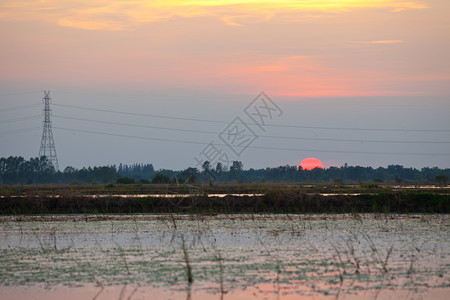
[285,202]
[221,273]
[268,250]
[99,284]
[190,278]
[278,198]
[123,257]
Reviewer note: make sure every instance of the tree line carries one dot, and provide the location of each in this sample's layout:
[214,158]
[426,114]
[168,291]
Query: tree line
[17,170]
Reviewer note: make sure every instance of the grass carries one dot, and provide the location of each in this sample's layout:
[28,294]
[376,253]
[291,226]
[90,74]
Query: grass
[190,278]
[217,188]
[277,198]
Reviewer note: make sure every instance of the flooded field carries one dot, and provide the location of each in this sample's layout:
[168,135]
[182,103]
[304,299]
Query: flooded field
[225,256]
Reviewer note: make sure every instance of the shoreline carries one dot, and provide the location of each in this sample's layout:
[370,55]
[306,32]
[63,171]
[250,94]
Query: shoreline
[273,201]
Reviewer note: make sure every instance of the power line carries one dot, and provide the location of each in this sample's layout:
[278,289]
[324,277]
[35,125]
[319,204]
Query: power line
[19,119]
[132,136]
[2,133]
[17,93]
[250,147]
[136,125]
[19,107]
[142,115]
[261,136]
[268,125]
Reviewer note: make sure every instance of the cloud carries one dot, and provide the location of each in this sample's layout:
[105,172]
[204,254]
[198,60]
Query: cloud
[379,42]
[124,15]
[90,25]
[306,76]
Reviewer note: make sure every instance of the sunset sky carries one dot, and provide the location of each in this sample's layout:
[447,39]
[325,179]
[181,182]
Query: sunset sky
[350,63]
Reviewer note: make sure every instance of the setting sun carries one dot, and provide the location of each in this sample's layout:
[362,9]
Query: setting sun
[311,163]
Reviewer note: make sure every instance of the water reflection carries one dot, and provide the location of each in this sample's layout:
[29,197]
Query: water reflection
[231,256]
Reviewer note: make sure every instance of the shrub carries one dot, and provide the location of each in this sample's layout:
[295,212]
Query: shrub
[441,179]
[161,178]
[338,180]
[125,180]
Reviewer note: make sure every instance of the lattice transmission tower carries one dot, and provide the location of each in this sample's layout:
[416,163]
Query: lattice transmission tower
[47,148]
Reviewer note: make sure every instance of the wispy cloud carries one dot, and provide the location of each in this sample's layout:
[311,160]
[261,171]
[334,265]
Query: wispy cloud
[123,15]
[379,42]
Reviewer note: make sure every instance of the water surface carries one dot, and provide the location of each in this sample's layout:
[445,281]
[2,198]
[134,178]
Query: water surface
[231,256]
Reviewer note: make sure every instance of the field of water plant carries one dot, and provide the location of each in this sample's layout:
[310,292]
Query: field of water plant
[222,198]
[233,256]
[208,188]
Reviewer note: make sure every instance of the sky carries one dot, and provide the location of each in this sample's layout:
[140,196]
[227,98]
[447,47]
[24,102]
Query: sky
[363,82]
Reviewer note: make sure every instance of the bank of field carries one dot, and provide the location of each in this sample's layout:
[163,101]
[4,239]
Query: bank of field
[223,198]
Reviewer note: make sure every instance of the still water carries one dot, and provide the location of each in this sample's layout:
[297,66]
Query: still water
[229,257]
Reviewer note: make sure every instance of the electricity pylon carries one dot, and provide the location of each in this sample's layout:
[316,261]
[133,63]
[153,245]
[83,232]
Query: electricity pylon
[47,148]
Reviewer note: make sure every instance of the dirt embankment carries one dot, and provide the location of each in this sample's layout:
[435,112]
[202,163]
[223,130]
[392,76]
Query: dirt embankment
[273,201]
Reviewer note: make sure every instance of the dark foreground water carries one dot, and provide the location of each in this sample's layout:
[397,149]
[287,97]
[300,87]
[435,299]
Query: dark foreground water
[230,257]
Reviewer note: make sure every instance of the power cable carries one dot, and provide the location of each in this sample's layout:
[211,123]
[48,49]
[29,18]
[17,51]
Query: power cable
[268,125]
[262,136]
[20,119]
[19,107]
[2,133]
[250,147]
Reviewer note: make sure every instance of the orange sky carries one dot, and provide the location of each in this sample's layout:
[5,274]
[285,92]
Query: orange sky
[287,47]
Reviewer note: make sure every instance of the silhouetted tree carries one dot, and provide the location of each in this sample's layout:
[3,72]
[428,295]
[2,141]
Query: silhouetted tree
[206,167]
[160,178]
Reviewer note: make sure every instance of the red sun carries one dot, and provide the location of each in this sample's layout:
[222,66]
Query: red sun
[311,163]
